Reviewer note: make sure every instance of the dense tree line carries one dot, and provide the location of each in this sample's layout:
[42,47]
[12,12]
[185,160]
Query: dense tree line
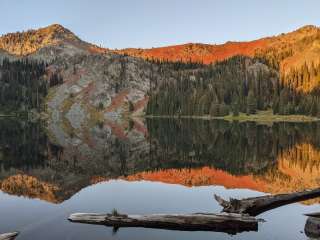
[23,85]
[299,93]
[305,78]
[238,84]
[55,79]
[177,65]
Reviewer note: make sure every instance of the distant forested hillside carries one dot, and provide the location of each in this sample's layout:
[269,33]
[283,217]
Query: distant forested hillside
[239,84]
[23,85]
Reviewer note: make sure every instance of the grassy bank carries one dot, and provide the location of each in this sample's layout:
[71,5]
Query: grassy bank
[260,116]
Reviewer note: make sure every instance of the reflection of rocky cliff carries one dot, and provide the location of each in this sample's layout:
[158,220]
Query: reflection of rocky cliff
[55,164]
[67,162]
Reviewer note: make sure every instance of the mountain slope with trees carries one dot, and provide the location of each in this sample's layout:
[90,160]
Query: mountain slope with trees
[288,53]
[239,84]
[280,72]
[22,85]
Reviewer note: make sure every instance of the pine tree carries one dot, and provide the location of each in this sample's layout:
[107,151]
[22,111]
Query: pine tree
[251,103]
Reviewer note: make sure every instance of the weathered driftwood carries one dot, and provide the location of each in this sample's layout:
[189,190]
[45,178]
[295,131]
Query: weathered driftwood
[255,206]
[315,215]
[229,223]
[312,227]
[9,236]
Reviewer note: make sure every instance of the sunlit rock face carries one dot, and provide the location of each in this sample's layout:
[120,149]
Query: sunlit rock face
[29,42]
[101,83]
[205,53]
[286,52]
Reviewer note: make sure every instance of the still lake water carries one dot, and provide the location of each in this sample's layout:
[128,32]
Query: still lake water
[48,172]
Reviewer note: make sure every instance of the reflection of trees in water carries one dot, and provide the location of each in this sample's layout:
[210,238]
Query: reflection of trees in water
[23,144]
[296,169]
[56,151]
[238,148]
[277,158]
[304,156]
[122,151]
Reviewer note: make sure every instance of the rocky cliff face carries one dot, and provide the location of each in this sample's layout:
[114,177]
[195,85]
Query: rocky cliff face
[98,84]
[29,42]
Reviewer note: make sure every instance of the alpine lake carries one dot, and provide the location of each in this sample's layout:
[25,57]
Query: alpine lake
[145,166]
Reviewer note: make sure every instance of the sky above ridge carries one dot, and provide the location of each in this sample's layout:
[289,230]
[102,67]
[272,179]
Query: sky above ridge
[154,23]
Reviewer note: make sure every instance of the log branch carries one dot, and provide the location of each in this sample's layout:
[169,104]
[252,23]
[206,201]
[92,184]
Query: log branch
[9,236]
[228,223]
[257,205]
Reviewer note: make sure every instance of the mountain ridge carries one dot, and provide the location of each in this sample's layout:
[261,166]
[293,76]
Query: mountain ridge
[286,50]
[203,52]
[110,81]
[240,47]
[195,52]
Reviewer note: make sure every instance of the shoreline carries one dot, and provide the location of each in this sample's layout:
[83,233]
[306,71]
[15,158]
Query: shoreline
[261,116]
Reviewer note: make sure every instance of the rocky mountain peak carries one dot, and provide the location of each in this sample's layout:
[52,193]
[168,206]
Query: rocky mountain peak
[58,32]
[28,42]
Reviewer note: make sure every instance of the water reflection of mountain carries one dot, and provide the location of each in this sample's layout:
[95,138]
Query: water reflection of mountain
[284,157]
[53,163]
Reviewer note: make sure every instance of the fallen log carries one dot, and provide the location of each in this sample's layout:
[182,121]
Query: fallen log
[257,205]
[9,236]
[312,226]
[315,215]
[228,223]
